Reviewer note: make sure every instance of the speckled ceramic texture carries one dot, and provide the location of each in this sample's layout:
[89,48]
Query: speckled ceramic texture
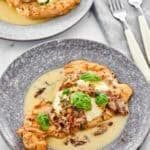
[46,29]
[55,54]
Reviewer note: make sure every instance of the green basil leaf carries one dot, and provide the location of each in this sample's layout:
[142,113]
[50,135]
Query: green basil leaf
[88,76]
[66,92]
[102,100]
[43,121]
[81,101]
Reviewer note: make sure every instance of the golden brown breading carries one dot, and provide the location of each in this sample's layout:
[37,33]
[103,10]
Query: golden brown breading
[50,10]
[33,137]
[79,66]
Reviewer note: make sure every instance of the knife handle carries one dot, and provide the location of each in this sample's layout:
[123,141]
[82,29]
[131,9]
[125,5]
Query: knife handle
[137,54]
[145,32]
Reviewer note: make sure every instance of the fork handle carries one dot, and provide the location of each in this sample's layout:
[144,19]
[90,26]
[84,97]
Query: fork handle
[137,54]
[145,35]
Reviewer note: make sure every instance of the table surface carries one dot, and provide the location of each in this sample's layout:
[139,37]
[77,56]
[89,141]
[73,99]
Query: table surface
[87,28]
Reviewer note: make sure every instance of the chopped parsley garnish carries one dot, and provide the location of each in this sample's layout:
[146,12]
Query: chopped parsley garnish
[88,76]
[43,121]
[81,101]
[102,100]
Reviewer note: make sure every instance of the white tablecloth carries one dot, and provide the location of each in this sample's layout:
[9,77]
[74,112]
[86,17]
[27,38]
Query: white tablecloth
[87,28]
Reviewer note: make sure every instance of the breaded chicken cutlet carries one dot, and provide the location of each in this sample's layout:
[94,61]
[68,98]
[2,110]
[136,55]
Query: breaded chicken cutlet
[42,9]
[88,95]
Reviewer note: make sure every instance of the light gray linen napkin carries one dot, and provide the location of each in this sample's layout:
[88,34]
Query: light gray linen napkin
[113,29]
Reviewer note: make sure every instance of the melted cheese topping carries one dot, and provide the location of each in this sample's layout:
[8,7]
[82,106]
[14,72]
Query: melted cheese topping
[82,83]
[101,86]
[94,112]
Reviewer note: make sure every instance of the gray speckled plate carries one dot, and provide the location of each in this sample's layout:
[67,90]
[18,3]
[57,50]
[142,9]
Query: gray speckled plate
[50,55]
[46,29]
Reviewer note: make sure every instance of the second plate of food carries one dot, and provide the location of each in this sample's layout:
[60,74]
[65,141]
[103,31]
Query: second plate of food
[73,94]
[34,20]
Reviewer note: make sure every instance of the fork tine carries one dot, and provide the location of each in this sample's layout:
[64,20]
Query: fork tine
[118,4]
[121,4]
[114,4]
[110,5]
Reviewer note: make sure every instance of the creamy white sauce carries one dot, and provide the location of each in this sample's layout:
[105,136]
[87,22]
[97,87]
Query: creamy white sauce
[54,78]
[95,142]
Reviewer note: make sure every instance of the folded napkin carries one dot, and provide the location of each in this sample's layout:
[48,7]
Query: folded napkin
[113,29]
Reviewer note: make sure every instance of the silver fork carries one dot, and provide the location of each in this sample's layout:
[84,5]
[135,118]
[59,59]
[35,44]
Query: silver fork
[119,13]
[145,32]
